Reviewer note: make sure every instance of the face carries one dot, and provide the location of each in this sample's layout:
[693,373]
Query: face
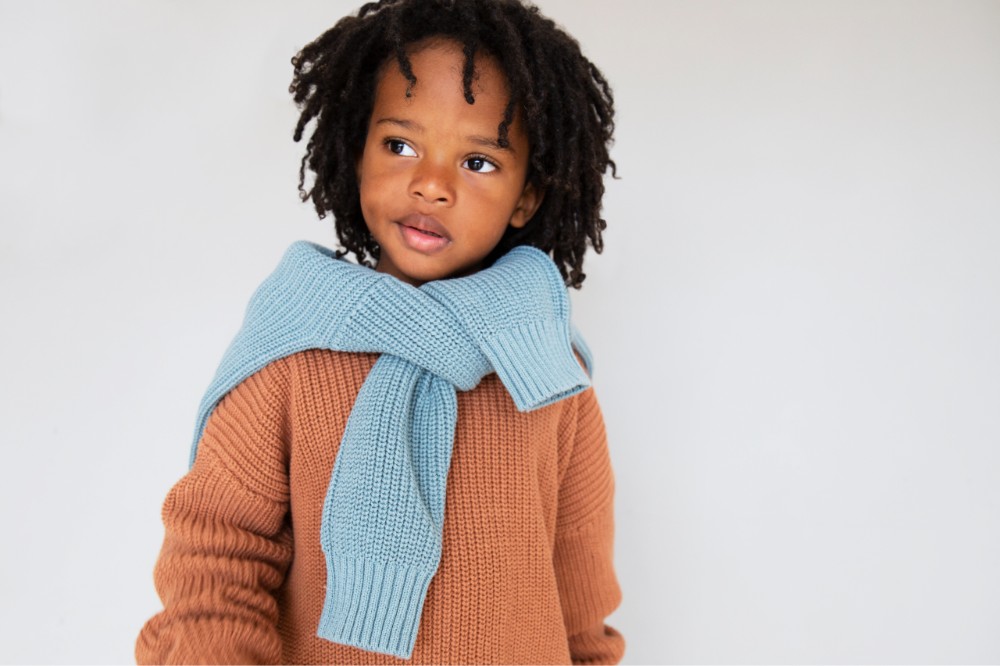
[437,191]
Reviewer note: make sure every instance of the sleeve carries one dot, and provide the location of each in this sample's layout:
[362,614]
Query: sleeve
[228,536]
[584,543]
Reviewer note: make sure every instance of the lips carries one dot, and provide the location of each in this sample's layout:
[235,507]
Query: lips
[423,233]
[426,224]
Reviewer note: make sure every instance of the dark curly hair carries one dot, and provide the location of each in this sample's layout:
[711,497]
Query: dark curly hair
[566,106]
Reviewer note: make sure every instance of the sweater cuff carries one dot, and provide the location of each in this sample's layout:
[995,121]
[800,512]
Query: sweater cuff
[372,605]
[536,363]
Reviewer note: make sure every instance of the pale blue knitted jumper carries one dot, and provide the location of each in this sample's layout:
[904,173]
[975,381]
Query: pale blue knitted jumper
[384,510]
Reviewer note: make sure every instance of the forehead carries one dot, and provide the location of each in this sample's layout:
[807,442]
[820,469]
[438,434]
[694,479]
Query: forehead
[437,64]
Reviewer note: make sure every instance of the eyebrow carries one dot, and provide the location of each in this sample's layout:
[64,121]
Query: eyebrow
[478,139]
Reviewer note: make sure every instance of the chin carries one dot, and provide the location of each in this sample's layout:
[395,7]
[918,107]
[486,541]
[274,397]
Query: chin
[417,275]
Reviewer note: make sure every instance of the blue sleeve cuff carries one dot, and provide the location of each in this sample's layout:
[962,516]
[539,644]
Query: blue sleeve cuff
[535,362]
[372,605]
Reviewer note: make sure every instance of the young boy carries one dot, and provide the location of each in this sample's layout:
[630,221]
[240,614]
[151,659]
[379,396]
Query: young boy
[407,462]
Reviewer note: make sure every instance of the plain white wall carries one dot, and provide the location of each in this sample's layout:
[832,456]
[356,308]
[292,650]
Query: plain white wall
[795,320]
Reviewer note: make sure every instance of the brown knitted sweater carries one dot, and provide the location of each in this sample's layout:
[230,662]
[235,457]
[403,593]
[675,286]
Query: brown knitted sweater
[526,572]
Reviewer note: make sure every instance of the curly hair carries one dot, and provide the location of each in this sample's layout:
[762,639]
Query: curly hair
[565,102]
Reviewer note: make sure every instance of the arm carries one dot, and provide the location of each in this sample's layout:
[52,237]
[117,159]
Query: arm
[584,541]
[228,538]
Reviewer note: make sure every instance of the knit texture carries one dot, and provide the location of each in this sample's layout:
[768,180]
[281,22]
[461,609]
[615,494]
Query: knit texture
[384,508]
[526,573]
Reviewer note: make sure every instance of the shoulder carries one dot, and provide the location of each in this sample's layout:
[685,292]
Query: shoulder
[330,368]
[325,362]
[317,358]
[319,379]
[305,375]
[299,387]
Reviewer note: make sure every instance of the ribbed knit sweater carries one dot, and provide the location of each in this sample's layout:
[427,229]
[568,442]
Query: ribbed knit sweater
[526,572]
[384,509]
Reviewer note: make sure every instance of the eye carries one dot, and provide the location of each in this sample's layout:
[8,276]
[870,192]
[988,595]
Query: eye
[400,148]
[480,165]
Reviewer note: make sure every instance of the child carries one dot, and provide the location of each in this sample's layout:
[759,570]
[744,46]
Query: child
[407,462]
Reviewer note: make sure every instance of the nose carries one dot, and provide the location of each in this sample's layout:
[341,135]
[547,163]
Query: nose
[433,182]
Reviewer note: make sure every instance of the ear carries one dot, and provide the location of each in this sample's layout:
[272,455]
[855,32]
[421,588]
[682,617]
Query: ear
[531,199]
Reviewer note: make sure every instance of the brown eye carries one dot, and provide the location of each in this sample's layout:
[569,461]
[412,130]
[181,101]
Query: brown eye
[479,165]
[400,147]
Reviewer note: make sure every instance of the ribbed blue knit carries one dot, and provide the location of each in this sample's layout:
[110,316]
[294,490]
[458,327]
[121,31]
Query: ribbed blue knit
[384,509]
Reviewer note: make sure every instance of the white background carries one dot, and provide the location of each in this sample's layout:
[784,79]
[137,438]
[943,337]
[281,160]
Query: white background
[795,322]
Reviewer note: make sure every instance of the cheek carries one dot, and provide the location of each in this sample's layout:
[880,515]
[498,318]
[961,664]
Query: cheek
[367,165]
[369,205]
[366,200]
[362,166]
[368,184]
[373,172]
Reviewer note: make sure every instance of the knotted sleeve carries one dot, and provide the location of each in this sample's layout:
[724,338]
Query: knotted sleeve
[518,312]
[228,540]
[583,557]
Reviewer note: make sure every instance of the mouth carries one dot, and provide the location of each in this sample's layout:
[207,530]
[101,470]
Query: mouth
[425,224]
[431,234]
[423,233]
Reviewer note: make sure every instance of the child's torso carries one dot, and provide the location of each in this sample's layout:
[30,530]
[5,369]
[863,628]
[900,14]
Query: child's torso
[495,597]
